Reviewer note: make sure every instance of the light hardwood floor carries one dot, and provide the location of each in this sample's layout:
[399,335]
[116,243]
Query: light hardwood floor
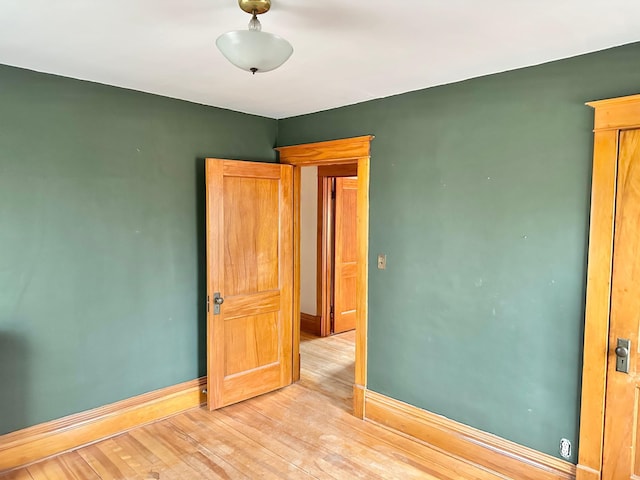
[304,431]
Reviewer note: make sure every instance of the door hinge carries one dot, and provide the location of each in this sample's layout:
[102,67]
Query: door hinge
[207,303]
[333,193]
[331,319]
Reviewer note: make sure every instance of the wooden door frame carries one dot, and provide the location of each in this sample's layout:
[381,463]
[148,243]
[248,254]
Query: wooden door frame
[611,116]
[324,272]
[335,152]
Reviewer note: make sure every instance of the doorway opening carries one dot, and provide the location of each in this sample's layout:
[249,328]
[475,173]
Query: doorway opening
[328,200]
[331,153]
[328,240]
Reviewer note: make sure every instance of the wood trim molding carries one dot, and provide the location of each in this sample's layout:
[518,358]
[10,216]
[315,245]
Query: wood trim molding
[596,331]
[362,274]
[358,401]
[342,170]
[41,441]
[319,248]
[336,152]
[347,150]
[610,117]
[325,265]
[629,99]
[480,448]
[310,323]
[586,473]
[616,113]
[295,364]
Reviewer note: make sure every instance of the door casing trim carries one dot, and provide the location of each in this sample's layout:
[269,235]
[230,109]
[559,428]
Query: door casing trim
[611,116]
[335,152]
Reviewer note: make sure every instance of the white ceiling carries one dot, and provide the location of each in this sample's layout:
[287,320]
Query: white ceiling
[345,51]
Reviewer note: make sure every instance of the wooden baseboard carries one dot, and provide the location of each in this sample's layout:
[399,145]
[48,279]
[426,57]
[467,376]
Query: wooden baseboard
[41,441]
[310,323]
[486,450]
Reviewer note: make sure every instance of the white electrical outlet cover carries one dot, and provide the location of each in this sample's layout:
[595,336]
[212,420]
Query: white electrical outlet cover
[565,448]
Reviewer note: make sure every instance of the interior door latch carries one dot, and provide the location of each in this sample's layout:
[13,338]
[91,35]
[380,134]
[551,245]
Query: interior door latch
[622,355]
[217,301]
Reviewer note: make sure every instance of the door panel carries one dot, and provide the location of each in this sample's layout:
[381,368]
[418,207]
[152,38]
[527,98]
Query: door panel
[345,266]
[249,262]
[250,240]
[254,342]
[621,460]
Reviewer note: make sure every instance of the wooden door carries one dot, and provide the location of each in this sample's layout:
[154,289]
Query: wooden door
[345,263]
[250,266]
[621,451]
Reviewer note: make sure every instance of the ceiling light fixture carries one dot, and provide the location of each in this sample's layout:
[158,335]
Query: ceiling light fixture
[254,50]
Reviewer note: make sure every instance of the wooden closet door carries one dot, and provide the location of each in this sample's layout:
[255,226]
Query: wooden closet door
[621,451]
[345,266]
[250,268]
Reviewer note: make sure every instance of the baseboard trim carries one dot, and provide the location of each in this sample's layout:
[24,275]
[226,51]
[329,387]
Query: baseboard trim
[310,323]
[484,449]
[35,443]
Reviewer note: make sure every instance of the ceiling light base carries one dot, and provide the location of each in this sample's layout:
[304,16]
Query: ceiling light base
[255,6]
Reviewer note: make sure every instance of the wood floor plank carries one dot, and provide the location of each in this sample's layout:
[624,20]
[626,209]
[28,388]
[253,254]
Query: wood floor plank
[353,452]
[305,456]
[412,451]
[180,455]
[107,461]
[22,474]
[66,466]
[214,435]
[138,457]
[302,432]
[328,366]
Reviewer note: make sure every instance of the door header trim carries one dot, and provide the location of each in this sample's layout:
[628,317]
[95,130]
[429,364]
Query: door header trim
[333,152]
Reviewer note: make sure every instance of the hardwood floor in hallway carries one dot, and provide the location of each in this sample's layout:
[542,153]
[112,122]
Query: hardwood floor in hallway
[304,431]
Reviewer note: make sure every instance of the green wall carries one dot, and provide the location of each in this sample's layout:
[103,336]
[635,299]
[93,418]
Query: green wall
[480,199]
[102,279]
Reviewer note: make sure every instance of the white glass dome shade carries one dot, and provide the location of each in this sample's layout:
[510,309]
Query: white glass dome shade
[253,50]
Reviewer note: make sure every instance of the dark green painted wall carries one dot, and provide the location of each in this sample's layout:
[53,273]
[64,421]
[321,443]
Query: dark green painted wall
[102,276]
[480,199]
